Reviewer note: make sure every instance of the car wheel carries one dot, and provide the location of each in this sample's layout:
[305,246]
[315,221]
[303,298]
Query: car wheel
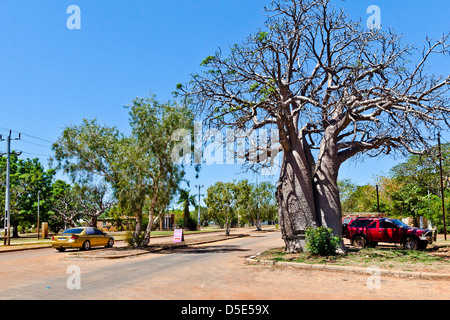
[411,244]
[110,243]
[360,242]
[86,245]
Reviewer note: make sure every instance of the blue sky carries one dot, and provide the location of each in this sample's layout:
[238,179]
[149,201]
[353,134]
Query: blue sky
[51,76]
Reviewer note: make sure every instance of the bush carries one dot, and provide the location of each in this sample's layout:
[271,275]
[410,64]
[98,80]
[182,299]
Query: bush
[190,225]
[133,240]
[320,241]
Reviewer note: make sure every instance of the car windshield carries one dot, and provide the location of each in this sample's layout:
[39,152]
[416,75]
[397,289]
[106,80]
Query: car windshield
[75,230]
[399,223]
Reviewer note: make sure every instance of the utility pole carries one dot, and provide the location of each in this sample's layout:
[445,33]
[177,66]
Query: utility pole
[6,238]
[258,223]
[199,195]
[378,201]
[7,222]
[442,185]
[39,191]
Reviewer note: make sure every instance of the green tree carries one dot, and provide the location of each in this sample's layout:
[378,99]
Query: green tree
[139,167]
[89,149]
[418,180]
[346,190]
[66,210]
[89,152]
[186,200]
[363,199]
[27,178]
[221,203]
[423,170]
[94,200]
[255,202]
[153,125]
[204,219]
[245,202]
[267,203]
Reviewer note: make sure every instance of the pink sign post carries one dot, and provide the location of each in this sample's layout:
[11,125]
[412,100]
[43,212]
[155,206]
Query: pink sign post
[178,235]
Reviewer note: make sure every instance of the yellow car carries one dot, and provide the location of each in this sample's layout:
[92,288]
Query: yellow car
[83,238]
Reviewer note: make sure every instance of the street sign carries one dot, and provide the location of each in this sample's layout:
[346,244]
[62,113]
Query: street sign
[178,235]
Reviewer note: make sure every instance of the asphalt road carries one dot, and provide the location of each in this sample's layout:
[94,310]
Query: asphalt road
[215,271]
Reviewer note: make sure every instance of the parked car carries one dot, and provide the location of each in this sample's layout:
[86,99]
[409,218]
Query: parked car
[83,238]
[369,231]
[345,222]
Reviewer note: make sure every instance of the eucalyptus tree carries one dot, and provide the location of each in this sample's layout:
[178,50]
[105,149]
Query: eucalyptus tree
[94,199]
[222,204]
[424,170]
[139,167]
[90,153]
[255,202]
[153,125]
[66,208]
[267,203]
[333,90]
[244,202]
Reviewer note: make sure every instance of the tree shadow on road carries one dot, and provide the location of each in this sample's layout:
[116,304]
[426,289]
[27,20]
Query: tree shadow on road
[203,250]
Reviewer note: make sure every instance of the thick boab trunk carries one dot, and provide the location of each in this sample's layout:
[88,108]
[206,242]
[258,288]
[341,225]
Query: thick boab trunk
[328,204]
[325,186]
[295,198]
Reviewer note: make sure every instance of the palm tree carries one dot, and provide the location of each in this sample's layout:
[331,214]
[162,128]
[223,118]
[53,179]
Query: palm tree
[186,199]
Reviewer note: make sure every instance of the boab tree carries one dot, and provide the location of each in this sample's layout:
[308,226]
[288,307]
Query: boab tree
[334,90]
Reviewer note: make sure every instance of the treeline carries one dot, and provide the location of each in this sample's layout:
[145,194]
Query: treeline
[60,204]
[229,205]
[238,203]
[411,189]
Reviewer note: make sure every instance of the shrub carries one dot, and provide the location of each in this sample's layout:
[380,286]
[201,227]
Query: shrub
[320,241]
[133,240]
[190,225]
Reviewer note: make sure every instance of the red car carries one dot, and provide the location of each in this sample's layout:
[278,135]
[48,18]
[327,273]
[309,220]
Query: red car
[368,231]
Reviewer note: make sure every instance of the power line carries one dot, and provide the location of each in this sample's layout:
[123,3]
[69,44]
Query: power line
[26,134]
[29,135]
[36,144]
[37,154]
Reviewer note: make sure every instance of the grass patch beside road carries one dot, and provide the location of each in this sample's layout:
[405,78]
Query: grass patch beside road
[389,257]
